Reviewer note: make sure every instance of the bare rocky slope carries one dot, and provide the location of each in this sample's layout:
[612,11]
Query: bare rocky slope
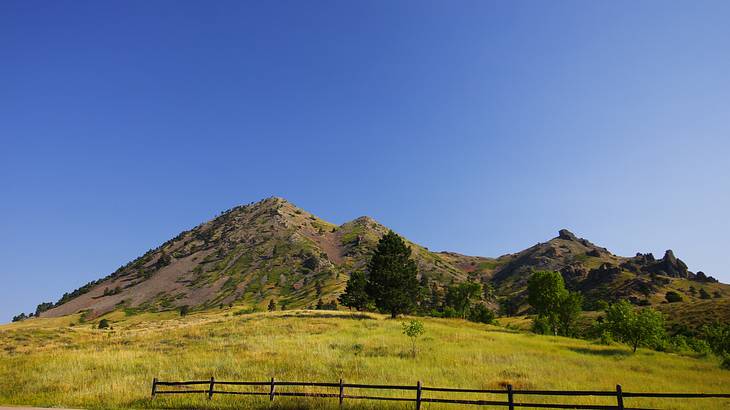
[273,250]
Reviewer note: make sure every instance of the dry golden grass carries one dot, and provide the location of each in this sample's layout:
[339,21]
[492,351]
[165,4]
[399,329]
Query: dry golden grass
[47,362]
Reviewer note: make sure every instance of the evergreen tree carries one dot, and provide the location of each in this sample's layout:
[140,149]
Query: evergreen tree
[392,283]
[704,294]
[355,295]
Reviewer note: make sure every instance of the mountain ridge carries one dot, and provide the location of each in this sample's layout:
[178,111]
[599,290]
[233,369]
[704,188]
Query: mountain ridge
[272,249]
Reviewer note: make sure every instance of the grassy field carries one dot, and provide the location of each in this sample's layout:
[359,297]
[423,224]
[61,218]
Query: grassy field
[48,362]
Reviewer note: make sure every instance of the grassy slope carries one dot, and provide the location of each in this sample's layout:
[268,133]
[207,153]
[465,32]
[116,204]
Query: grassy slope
[47,362]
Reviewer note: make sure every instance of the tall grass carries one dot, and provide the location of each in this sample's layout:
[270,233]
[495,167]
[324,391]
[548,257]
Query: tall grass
[47,362]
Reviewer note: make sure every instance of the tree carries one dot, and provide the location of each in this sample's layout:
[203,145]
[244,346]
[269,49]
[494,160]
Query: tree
[184,310]
[509,306]
[481,314]
[272,305]
[673,296]
[546,290]
[43,307]
[103,324]
[568,312]
[413,329]
[488,290]
[318,287]
[704,294]
[436,297]
[392,283]
[320,304]
[635,328]
[21,316]
[460,296]
[355,295]
[718,337]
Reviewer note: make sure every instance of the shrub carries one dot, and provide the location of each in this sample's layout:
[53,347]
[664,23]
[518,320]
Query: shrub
[704,294]
[541,326]
[481,314]
[606,338]
[184,309]
[673,297]
[103,324]
[725,363]
[450,312]
[20,317]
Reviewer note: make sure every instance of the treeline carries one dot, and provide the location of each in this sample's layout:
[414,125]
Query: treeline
[392,286]
[557,311]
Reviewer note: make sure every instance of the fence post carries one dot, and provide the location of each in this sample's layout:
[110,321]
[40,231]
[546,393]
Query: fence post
[619,397]
[342,392]
[154,387]
[510,397]
[271,392]
[210,390]
[418,395]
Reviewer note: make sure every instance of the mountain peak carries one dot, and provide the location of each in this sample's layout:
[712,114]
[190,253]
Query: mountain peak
[567,235]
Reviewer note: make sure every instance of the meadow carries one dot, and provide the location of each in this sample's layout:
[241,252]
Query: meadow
[63,363]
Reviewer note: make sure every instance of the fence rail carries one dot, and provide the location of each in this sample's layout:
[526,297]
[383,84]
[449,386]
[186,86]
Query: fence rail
[188,387]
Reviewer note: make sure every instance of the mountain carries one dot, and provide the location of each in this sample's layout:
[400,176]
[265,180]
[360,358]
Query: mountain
[273,250]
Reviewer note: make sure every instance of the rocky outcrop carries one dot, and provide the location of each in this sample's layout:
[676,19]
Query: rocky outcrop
[567,235]
[702,277]
[670,266]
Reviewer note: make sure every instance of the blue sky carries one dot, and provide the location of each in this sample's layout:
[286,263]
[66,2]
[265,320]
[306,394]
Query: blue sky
[479,127]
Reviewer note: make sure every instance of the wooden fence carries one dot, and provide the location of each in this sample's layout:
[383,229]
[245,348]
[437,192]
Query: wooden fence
[418,397]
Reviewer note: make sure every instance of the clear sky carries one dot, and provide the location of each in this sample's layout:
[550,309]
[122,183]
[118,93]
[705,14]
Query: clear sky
[479,127]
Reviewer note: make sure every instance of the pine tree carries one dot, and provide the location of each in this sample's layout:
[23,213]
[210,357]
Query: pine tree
[392,283]
[355,295]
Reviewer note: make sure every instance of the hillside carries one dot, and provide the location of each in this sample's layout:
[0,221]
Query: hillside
[273,250]
[59,362]
[252,253]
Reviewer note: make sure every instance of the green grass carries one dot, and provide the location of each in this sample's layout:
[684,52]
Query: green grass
[46,362]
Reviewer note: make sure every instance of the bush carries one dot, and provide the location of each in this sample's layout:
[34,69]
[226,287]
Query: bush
[725,363]
[450,312]
[103,324]
[184,310]
[704,294]
[20,317]
[606,338]
[541,325]
[673,297]
[481,314]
